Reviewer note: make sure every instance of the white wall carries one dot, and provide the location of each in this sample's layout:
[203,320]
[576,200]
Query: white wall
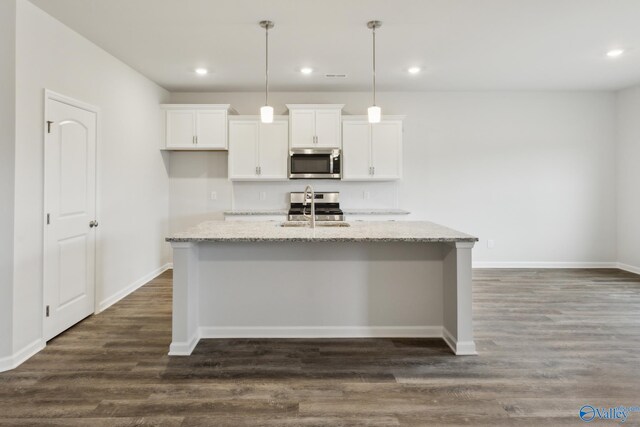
[534,171]
[132,175]
[629,178]
[7,162]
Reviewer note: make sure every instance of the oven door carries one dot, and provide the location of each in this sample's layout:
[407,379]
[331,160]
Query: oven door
[314,164]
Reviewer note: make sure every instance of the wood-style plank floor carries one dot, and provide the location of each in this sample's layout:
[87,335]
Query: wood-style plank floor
[549,341]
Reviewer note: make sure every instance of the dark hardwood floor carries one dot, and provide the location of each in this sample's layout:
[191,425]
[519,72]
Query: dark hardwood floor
[549,341]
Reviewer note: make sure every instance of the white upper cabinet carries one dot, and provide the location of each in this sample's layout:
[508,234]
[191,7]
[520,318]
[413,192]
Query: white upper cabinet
[315,125]
[273,150]
[196,126]
[243,149]
[356,150]
[328,128]
[258,151]
[303,128]
[181,129]
[372,152]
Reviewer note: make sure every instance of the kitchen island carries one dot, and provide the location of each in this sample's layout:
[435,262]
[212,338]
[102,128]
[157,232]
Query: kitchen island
[371,279]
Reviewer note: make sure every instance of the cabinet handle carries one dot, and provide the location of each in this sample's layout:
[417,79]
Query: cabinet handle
[257,171]
[193,139]
[373,170]
[196,140]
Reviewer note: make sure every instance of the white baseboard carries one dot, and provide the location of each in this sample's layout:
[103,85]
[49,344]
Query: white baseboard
[481,265]
[184,348]
[629,268]
[321,332]
[108,302]
[11,362]
[460,348]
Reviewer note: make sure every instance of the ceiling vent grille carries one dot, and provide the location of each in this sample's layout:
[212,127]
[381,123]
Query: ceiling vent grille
[335,76]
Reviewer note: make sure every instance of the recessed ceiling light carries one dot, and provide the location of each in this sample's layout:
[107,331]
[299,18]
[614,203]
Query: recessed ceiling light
[414,70]
[306,70]
[201,71]
[614,53]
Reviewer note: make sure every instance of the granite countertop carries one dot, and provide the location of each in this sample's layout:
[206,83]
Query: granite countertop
[347,211]
[264,212]
[375,212]
[367,231]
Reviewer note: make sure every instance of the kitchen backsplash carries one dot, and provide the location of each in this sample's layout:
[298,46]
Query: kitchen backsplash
[274,195]
[199,190]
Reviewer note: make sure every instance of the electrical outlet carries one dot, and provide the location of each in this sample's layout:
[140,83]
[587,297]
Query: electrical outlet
[213,195]
[491,243]
[366,195]
[263,196]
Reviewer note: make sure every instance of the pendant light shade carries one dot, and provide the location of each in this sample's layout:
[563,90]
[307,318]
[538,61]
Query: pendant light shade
[374,112]
[266,111]
[266,114]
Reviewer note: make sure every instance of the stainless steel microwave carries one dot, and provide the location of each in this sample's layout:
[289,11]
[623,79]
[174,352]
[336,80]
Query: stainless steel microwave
[314,163]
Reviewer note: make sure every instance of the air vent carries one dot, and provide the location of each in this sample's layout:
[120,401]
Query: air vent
[335,76]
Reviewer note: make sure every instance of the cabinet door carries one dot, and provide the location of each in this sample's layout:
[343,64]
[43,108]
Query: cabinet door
[273,150]
[211,129]
[386,150]
[181,130]
[356,153]
[243,150]
[328,128]
[303,128]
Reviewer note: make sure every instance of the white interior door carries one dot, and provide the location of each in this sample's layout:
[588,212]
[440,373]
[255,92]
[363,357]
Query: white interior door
[70,209]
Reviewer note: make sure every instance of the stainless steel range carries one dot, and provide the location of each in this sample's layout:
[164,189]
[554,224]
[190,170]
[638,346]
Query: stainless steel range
[327,206]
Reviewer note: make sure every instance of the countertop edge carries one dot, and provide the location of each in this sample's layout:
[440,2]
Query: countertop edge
[346,211]
[318,239]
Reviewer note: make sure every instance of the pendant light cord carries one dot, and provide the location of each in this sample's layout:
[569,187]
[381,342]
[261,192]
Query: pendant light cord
[374,65]
[266,67]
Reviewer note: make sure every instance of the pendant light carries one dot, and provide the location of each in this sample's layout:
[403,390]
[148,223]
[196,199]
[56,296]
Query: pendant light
[374,112]
[266,111]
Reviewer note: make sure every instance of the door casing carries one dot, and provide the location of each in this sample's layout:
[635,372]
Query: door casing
[97,294]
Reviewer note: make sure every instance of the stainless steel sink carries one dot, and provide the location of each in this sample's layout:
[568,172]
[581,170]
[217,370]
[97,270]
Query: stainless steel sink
[319,224]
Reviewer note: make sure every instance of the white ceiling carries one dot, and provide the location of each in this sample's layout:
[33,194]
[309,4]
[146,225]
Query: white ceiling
[461,44]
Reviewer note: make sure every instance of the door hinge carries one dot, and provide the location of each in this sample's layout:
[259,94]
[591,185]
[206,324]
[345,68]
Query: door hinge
[49,123]
[48,219]
[47,311]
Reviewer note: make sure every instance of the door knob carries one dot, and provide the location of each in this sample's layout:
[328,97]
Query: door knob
[93,223]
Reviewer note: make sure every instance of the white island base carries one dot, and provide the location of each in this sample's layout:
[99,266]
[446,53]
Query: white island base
[300,283]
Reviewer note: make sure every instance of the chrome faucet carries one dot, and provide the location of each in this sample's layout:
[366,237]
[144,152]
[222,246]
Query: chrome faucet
[312,218]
